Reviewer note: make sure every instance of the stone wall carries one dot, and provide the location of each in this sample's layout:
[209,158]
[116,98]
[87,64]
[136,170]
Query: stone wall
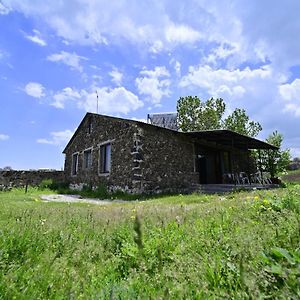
[120,134]
[168,161]
[144,158]
[19,178]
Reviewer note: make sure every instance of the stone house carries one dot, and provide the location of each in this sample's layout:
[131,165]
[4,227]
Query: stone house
[143,158]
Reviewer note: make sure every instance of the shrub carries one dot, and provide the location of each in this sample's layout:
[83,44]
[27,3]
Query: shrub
[46,184]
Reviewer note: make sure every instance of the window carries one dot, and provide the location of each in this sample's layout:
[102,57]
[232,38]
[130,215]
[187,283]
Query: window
[87,159]
[75,164]
[105,158]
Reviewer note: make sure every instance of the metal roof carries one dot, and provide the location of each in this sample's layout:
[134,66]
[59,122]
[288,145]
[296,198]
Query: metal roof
[220,136]
[230,138]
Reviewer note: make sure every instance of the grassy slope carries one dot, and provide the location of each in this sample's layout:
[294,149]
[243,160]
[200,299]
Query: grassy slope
[292,176]
[243,245]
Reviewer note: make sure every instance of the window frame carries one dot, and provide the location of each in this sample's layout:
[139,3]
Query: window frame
[102,170]
[77,164]
[88,167]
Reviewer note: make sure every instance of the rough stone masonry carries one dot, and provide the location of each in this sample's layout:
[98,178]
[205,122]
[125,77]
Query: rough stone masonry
[144,158]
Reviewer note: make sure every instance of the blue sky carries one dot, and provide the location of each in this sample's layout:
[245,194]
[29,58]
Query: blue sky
[140,56]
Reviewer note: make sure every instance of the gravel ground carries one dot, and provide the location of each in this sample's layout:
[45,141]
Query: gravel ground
[76,199]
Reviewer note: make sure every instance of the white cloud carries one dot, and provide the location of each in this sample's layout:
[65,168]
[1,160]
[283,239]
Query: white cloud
[181,34]
[156,47]
[65,95]
[139,119]
[34,89]
[176,65]
[290,93]
[36,38]
[111,101]
[70,59]
[91,22]
[232,84]
[154,84]
[3,9]
[4,137]
[57,138]
[161,25]
[222,53]
[116,76]
[293,108]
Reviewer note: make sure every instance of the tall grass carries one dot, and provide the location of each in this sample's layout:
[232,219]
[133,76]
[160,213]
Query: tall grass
[239,246]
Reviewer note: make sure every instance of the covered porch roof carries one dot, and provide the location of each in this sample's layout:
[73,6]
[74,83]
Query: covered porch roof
[231,139]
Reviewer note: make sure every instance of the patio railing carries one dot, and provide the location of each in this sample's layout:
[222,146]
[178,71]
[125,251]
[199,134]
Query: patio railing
[242,178]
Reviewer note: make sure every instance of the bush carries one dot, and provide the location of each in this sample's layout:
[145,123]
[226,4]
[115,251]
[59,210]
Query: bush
[46,184]
[51,184]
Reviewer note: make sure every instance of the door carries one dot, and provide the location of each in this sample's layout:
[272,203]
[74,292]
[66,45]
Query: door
[202,167]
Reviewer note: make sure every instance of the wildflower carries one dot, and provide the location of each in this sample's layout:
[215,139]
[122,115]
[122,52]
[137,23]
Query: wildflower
[132,217]
[256,198]
[133,210]
[266,202]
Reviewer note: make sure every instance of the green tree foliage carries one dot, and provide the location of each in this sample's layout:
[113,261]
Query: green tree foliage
[239,122]
[193,114]
[276,161]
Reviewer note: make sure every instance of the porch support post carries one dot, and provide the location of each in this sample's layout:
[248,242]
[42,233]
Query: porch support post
[260,163]
[248,162]
[231,161]
[269,161]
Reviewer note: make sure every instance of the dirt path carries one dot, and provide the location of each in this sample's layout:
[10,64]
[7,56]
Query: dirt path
[76,199]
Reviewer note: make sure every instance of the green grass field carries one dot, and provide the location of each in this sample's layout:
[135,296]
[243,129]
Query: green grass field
[236,246]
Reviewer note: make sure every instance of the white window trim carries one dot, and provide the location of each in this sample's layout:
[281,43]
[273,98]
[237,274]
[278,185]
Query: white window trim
[87,149]
[77,164]
[99,157]
[106,142]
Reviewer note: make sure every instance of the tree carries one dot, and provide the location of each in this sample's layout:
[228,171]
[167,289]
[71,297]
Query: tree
[7,168]
[193,114]
[276,161]
[240,122]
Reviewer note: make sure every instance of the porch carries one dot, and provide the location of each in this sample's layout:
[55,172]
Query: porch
[223,157]
[228,188]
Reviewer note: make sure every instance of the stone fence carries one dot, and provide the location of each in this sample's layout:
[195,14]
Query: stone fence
[19,178]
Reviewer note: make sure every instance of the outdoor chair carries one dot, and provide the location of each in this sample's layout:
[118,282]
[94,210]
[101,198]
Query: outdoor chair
[243,178]
[228,178]
[256,178]
[261,178]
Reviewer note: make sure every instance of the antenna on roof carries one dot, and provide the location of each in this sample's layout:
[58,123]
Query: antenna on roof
[97,100]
